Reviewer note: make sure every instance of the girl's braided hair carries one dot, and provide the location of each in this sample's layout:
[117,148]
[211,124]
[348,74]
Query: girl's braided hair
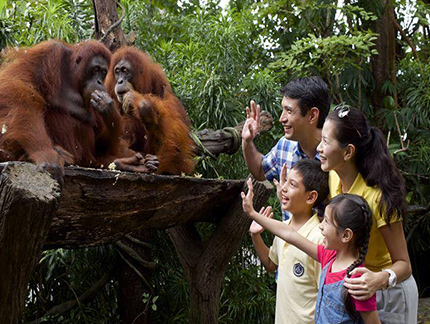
[353,212]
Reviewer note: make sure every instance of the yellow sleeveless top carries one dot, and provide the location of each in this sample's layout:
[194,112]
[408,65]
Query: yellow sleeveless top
[377,257]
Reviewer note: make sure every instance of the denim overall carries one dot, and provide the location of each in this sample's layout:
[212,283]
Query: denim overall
[330,308]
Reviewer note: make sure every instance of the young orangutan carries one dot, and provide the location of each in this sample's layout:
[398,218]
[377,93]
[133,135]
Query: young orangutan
[155,121]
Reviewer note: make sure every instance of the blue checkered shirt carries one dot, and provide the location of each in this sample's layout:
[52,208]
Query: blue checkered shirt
[289,152]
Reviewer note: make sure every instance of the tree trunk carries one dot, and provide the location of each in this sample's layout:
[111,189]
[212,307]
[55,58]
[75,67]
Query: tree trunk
[383,63]
[132,309]
[28,200]
[107,24]
[205,263]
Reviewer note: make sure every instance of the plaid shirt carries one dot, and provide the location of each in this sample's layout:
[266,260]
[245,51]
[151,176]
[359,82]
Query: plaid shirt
[289,152]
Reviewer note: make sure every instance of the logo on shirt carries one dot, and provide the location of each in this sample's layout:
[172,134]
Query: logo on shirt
[298,270]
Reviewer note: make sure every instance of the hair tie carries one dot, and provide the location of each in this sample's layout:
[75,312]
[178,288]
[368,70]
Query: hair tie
[363,209]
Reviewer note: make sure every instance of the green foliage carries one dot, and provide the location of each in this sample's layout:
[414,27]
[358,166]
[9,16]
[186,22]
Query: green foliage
[150,302]
[209,68]
[248,293]
[217,61]
[416,102]
[326,56]
[24,23]
[413,117]
[63,275]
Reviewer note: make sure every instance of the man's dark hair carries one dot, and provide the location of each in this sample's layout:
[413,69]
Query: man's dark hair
[313,178]
[310,92]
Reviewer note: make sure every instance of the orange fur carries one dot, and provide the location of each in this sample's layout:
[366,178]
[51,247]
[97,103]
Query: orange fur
[38,86]
[167,132]
[170,140]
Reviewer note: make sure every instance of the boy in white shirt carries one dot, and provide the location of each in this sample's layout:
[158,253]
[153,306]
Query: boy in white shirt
[297,273]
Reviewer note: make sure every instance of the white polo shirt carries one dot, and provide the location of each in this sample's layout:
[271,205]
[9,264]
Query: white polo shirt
[297,277]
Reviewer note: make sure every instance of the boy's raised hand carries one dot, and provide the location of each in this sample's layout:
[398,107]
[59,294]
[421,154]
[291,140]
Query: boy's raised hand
[250,129]
[256,228]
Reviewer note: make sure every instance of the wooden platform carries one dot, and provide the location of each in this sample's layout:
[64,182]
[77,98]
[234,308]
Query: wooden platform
[100,206]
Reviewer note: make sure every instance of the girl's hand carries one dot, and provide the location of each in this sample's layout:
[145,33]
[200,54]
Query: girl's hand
[363,287]
[247,200]
[256,228]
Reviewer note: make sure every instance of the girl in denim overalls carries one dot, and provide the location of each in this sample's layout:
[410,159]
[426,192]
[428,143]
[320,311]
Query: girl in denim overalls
[346,230]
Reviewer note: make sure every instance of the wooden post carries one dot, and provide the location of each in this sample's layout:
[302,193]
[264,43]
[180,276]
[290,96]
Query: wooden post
[28,200]
[205,263]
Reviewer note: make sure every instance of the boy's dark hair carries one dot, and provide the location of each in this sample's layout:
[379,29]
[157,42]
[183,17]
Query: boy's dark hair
[313,178]
[310,92]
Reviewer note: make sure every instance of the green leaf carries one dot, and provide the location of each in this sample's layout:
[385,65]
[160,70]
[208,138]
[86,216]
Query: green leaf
[389,102]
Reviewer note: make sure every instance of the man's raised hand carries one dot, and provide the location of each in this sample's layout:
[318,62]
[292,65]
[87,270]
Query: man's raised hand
[252,123]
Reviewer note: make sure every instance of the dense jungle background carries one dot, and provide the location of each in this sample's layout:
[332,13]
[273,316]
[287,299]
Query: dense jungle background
[374,54]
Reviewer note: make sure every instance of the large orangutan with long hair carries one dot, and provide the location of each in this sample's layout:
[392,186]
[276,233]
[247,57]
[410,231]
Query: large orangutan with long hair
[148,105]
[54,108]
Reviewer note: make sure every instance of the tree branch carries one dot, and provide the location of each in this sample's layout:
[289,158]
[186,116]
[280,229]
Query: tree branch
[138,242]
[115,25]
[132,253]
[140,275]
[408,41]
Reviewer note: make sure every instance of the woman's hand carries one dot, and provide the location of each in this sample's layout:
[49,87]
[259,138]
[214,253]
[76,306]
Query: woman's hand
[364,287]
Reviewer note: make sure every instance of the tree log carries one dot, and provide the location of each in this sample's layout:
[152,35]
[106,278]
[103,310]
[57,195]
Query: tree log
[100,207]
[28,200]
[227,140]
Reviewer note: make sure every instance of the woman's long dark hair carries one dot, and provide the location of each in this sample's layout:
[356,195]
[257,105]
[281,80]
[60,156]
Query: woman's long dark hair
[372,158]
[353,212]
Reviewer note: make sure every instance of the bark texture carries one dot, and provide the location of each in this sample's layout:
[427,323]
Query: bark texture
[28,200]
[383,63]
[107,27]
[100,207]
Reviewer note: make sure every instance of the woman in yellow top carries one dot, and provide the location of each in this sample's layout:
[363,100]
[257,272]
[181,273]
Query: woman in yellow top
[359,162]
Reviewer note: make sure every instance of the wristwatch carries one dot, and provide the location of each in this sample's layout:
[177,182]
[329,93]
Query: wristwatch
[392,279]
